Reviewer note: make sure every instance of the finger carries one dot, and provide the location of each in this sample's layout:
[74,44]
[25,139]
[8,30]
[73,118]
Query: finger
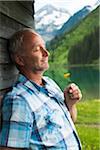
[75,95]
[76,91]
[73,87]
[78,96]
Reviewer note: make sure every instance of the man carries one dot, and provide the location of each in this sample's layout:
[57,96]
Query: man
[36,112]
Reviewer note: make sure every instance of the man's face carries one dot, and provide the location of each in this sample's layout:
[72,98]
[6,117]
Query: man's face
[35,55]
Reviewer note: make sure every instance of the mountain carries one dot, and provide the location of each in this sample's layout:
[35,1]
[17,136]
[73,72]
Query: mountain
[75,19]
[49,19]
[80,45]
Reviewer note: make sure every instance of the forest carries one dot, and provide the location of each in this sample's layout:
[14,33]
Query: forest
[78,46]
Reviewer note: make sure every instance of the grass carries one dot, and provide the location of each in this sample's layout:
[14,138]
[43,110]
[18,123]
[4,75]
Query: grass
[88,124]
[89,137]
[88,112]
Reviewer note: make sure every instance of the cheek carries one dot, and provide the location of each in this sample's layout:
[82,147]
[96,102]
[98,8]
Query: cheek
[28,61]
[35,61]
[36,58]
[32,59]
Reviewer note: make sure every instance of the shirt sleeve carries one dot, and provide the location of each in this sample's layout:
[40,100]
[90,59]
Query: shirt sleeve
[16,123]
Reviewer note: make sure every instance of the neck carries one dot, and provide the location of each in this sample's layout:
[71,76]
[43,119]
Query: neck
[35,77]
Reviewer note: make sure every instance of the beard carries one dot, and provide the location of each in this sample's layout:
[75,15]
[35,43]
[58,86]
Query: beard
[41,68]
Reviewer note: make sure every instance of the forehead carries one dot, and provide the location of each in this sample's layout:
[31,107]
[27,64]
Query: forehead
[31,39]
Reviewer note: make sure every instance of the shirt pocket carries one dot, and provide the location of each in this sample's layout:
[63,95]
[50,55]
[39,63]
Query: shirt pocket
[55,118]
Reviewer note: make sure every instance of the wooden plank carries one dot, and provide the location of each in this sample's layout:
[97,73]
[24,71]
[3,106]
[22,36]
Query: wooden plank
[8,26]
[2,92]
[8,75]
[6,83]
[7,70]
[4,56]
[13,16]
[27,5]
[15,10]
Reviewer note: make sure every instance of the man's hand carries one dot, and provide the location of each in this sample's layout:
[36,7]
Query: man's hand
[72,95]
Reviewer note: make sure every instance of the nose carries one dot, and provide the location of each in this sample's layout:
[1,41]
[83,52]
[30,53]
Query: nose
[45,52]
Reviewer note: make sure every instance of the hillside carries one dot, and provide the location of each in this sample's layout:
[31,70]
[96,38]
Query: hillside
[81,42]
[75,19]
[49,20]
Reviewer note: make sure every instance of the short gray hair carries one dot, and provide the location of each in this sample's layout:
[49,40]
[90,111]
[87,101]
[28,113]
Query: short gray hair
[16,40]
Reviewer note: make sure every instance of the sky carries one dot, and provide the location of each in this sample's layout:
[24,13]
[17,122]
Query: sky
[70,5]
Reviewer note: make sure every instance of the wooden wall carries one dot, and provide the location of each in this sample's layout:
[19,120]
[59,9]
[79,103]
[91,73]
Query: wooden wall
[14,15]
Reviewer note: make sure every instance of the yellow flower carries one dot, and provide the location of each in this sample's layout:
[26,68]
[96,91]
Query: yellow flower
[67,75]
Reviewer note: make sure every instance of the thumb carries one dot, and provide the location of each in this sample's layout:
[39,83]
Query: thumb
[70,88]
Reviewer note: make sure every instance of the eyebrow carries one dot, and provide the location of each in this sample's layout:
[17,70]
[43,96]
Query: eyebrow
[36,45]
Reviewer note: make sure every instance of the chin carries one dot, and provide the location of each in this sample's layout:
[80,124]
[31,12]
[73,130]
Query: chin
[42,68]
[46,67]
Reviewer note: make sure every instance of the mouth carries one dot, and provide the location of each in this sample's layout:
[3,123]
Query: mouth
[45,61]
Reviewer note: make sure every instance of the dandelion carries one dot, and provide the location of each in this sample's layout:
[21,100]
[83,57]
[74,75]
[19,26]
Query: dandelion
[67,75]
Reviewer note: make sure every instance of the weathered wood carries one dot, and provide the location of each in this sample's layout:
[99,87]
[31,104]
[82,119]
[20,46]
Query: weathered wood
[8,26]
[3,91]
[6,83]
[4,55]
[7,70]
[15,10]
[14,15]
[8,74]
[27,5]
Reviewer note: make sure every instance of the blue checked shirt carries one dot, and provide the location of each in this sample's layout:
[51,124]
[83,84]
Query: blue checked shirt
[36,118]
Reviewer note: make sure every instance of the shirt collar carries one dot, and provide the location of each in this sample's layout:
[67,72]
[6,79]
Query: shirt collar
[31,84]
[48,88]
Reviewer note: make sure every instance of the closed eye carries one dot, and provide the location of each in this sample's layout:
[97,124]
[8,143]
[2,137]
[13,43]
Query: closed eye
[39,48]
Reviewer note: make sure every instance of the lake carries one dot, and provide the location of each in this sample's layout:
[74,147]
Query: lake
[86,77]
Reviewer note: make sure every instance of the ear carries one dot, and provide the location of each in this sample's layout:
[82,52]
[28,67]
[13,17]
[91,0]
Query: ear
[19,60]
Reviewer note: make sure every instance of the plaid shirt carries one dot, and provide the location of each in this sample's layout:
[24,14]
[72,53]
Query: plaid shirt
[36,118]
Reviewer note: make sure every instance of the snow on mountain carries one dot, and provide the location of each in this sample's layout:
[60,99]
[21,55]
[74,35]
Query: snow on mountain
[75,19]
[96,4]
[49,19]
